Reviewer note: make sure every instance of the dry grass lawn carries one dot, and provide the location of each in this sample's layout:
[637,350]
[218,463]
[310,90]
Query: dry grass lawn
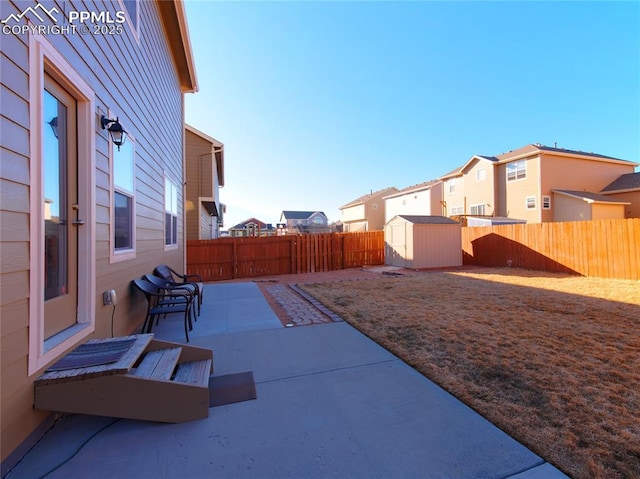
[553,360]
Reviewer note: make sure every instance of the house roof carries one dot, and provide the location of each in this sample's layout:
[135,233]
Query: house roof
[428,220]
[218,148]
[627,182]
[590,197]
[460,170]
[175,20]
[537,148]
[243,225]
[373,194]
[300,215]
[413,188]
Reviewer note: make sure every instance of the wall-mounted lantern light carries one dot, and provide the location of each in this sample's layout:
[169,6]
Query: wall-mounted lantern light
[117,133]
[54,125]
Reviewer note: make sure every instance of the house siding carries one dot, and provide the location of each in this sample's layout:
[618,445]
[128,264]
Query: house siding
[479,192]
[422,202]
[353,213]
[568,173]
[201,178]
[633,197]
[601,211]
[375,214]
[137,82]
[517,191]
[568,208]
[455,199]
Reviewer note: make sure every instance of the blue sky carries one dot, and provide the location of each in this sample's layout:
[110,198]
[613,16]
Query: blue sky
[318,103]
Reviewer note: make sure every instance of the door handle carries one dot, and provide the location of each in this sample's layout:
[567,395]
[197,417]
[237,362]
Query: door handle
[77,222]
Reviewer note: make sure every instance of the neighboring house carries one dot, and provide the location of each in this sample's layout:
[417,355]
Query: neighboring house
[582,205]
[626,188]
[204,158]
[423,199]
[519,184]
[471,189]
[252,227]
[78,215]
[304,222]
[366,213]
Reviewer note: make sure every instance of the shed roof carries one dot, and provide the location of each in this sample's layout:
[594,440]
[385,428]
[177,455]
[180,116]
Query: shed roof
[427,219]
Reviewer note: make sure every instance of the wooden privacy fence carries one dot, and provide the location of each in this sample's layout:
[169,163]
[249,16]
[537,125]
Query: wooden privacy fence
[228,258]
[601,248]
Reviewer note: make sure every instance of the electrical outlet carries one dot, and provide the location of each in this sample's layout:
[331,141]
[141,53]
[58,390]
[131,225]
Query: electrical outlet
[109,297]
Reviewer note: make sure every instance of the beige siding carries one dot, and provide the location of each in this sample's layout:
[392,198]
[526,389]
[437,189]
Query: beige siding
[353,213]
[375,214]
[436,246]
[479,191]
[517,191]
[418,246]
[455,199]
[200,178]
[423,202]
[137,82]
[601,211]
[566,173]
[633,197]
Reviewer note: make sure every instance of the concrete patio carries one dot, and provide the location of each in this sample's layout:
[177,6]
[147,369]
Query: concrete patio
[331,403]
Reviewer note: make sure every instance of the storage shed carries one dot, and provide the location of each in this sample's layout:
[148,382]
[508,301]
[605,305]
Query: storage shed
[422,242]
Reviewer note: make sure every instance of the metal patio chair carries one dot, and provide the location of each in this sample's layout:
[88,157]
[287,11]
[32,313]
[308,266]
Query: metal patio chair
[160,302]
[169,274]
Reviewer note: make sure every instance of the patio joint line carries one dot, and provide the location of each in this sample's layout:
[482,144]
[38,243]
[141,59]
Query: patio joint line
[295,376]
[525,469]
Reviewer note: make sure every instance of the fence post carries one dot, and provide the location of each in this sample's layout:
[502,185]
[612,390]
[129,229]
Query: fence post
[234,264]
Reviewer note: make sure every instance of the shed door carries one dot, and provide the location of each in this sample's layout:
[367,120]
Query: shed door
[398,245]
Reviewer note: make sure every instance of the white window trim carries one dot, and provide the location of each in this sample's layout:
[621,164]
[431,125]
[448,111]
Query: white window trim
[135,29]
[483,205]
[168,247]
[534,207]
[452,186]
[41,351]
[481,174]
[524,163]
[116,256]
[546,202]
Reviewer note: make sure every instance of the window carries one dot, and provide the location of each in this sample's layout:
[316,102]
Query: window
[457,210]
[132,9]
[477,209]
[452,186]
[516,170]
[531,202]
[123,167]
[546,202]
[481,174]
[170,213]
